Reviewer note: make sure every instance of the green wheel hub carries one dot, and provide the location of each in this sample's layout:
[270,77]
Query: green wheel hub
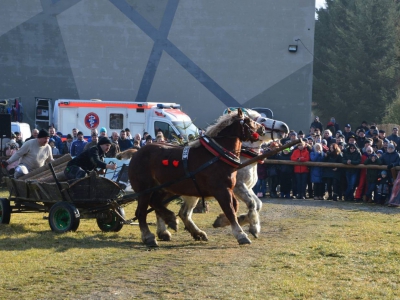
[62,219]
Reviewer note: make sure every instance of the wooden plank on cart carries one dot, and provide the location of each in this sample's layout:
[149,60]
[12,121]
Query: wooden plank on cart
[39,171]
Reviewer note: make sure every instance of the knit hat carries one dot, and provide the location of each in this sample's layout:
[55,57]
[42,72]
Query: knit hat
[52,140]
[379,152]
[383,172]
[301,132]
[43,133]
[390,146]
[69,136]
[103,129]
[104,140]
[79,132]
[339,131]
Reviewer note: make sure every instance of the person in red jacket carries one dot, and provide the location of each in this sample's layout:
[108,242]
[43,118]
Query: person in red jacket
[362,182]
[300,172]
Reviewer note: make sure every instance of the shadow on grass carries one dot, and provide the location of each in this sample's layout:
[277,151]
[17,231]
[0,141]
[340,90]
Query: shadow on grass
[351,206]
[16,237]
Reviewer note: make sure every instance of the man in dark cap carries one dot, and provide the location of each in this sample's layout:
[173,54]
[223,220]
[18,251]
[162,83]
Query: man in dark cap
[382,134]
[364,125]
[33,154]
[89,160]
[360,138]
[317,123]
[347,132]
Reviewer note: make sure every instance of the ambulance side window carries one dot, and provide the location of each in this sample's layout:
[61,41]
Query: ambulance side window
[116,121]
[165,128]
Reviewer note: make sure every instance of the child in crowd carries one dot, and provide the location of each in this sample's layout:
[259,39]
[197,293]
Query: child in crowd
[260,188]
[332,176]
[273,172]
[372,176]
[54,149]
[285,174]
[317,155]
[383,188]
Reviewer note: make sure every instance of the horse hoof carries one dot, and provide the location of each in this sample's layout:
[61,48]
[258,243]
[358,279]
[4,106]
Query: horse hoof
[173,226]
[200,237]
[164,236]
[254,232]
[150,242]
[244,241]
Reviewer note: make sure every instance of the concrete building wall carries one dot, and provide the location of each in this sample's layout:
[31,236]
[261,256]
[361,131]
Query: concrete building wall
[203,54]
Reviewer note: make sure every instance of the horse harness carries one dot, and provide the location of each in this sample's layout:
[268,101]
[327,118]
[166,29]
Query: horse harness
[214,148]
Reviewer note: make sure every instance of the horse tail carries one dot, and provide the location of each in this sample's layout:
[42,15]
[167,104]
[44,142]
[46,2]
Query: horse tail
[127,154]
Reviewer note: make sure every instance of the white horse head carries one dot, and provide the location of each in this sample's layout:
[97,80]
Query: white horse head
[273,129]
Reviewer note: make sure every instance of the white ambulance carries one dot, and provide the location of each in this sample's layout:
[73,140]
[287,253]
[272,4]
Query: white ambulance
[139,117]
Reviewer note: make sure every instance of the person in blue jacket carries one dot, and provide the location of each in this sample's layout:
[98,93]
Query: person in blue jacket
[317,155]
[78,146]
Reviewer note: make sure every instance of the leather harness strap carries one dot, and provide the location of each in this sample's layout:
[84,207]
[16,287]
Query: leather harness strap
[185,157]
[224,155]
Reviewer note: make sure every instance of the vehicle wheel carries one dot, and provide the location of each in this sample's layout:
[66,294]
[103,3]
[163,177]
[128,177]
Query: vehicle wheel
[110,221]
[64,217]
[5,211]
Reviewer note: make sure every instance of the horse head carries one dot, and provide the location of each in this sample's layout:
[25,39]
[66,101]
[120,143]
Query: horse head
[246,129]
[273,128]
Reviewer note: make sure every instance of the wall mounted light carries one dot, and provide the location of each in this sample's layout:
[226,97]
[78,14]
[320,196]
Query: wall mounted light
[292,48]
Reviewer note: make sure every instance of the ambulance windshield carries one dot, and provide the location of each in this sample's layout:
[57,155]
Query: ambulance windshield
[187,129]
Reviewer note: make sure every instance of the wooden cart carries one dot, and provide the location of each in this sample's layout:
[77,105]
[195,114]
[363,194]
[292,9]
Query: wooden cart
[90,197]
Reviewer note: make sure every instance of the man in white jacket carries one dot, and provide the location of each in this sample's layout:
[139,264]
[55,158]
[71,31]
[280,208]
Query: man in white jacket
[33,154]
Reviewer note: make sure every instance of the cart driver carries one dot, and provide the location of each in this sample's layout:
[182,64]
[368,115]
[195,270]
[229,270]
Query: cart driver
[32,155]
[89,160]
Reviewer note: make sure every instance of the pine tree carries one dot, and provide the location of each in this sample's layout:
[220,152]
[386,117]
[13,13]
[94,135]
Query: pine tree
[355,65]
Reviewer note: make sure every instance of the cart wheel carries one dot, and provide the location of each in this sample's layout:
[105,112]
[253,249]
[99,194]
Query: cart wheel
[5,211]
[110,221]
[64,217]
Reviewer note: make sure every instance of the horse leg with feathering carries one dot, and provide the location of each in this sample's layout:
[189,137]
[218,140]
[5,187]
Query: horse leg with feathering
[162,166]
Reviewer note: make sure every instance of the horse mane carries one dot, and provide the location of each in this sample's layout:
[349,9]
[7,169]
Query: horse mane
[221,123]
[252,114]
[213,130]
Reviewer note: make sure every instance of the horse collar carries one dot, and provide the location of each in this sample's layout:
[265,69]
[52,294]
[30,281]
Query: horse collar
[223,154]
[248,153]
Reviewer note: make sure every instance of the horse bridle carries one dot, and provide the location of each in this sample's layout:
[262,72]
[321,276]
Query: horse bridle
[253,134]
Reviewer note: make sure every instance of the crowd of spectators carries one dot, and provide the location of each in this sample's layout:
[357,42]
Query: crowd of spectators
[74,143]
[366,144]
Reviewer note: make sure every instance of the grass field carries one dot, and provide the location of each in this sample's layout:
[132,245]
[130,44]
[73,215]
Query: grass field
[307,250]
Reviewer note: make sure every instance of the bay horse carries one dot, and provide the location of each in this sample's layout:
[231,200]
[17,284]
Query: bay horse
[246,178]
[157,171]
